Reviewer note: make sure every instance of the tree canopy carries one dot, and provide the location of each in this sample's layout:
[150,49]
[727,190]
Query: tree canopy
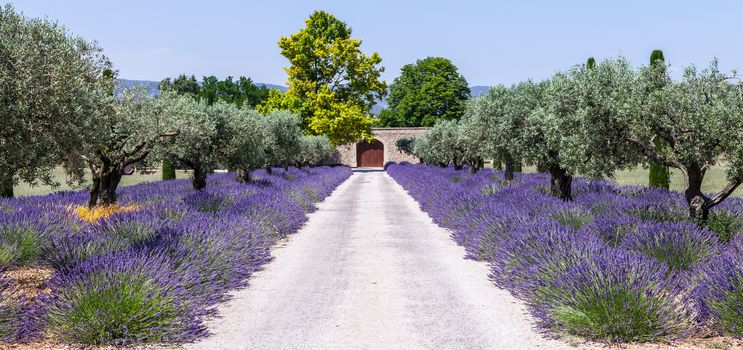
[45,101]
[241,92]
[332,84]
[425,92]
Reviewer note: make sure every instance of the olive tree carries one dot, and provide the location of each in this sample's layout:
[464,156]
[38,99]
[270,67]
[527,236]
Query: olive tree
[283,134]
[202,139]
[245,139]
[51,84]
[700,123]
[126,134]
[313,150]
[578,128]
[497,119]
[448,142]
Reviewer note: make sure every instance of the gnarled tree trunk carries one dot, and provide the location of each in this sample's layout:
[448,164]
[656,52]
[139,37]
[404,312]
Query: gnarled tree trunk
[105,182]
[199,176]
[6,185]
[242,176]
[508,174]
[561,183]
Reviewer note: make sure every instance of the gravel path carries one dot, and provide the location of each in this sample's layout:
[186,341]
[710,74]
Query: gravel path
[370,270]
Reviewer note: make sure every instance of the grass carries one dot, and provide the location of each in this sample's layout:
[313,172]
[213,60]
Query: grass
[713,182]
[25,189]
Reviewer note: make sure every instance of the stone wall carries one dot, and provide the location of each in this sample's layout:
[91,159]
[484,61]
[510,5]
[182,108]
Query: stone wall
[346,154]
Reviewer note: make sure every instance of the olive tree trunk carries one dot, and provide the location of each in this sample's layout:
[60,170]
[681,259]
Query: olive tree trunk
[199,176]
[6,185]
[508,174]
[699,203]
[242,176]
[561,183]
[105,182]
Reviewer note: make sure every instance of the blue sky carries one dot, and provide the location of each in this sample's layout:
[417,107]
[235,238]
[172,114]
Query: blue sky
[492,42]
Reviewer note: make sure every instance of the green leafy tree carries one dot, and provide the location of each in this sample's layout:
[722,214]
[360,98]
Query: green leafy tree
[182,85]
[45,102]
[425,92]
[168,172]
[498,118]
[332,84]
[659,174]
[591,62]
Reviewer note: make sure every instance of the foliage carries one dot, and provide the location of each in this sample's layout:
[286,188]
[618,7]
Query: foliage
[698,122]
[314,150]
[242,92]
[427,91]
[168,169]
[124,135]
[203,135]
[447,143]
[332,84]
[405,145]
[245,148]
[659,174]
[283,138]
[43,117]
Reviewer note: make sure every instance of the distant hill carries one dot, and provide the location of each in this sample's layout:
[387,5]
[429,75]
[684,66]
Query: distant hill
[151,87]
[478,90]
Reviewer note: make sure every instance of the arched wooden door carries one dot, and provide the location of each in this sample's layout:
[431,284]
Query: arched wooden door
[370,154]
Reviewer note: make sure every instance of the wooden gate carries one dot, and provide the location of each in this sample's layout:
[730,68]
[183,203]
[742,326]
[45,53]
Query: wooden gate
[370,154]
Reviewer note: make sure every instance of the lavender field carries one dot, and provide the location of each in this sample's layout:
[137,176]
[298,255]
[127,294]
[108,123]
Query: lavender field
[617,264]
[153,268]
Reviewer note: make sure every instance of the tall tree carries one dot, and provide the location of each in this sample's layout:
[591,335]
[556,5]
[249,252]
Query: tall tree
[425,92]
[659,174]
[182,85]
[332,84]
[591,62]
[50,83]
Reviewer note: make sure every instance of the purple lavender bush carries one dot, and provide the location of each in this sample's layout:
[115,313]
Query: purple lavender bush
[123,298]
[720,291]
[680,245]
[616,296]
[617,264]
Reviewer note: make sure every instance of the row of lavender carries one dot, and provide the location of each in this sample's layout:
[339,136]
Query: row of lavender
[616,264]
[155,269]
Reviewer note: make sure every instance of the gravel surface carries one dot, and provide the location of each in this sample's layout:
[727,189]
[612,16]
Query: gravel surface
[370,270]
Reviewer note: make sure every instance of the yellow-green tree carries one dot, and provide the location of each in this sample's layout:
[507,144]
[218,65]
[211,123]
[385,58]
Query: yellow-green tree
[332,84]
